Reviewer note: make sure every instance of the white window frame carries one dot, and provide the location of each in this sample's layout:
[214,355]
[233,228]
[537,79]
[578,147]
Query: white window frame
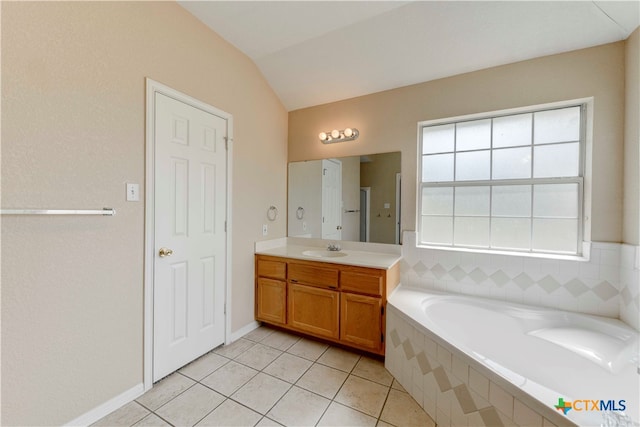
[584,180]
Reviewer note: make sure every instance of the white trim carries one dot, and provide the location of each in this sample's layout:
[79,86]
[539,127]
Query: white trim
[398,206]
[107,407]
[244,331]
[153,87]
[367,214]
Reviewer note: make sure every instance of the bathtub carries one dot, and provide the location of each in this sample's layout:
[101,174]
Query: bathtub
[474,361]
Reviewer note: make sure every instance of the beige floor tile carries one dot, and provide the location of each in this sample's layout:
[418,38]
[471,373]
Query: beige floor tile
[203,366]
[191,406]
[308,349]
[340,415]
[383,424]
[323,380]
[228,379]
[165,390]
[401,410]
[280,340]
[231,413]
[259,334]
[288,367]
[363,395]
[152,420]
[258,356]
[396,385]
[235,348]
[299,407]
[374,370]
[261,392]
[339,359]
[127,415]
[266,422]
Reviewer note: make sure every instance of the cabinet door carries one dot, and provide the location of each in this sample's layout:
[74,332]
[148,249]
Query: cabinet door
[314,310]
[361,321]
[271,301]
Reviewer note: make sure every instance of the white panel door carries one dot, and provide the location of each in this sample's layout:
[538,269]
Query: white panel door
[332,199]
[190,214]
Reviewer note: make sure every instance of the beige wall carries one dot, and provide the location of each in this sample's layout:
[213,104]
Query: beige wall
[387,121]
[631,229]
[380,175]
[73,129]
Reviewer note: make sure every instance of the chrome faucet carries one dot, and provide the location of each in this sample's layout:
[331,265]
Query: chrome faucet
[334,247]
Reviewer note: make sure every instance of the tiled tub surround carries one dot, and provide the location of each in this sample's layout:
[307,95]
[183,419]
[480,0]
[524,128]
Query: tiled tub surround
[459,386]
[606,285]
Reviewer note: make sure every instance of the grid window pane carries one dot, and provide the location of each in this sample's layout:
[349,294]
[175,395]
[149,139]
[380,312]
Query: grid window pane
[438,139]
[474,135]
[511,182]
[511,201]
[437,201]
[558,160]
[555,235]
[512,163]
[511,233]
[472,201]
[555,200]
[437,230]
[437,168]
[473,165]
[510,131]
[557,125]
[472,231]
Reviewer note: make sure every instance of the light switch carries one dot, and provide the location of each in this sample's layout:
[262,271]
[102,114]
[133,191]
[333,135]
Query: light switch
[387,205]
[133,192]
[265,229]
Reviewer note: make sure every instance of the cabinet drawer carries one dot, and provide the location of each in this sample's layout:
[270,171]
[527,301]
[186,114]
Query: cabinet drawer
[363,282]
[312,275]
[273,269]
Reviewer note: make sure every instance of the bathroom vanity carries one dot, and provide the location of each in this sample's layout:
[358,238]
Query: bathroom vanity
[340,297]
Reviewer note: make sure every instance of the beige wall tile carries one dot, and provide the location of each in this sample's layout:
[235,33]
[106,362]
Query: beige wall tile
[525,416]
[499,398]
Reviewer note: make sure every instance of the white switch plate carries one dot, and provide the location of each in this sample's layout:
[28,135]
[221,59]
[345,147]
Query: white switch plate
[265,229]
[133,192]
[387,205]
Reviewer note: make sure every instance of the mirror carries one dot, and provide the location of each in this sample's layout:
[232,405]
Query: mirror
[348,198]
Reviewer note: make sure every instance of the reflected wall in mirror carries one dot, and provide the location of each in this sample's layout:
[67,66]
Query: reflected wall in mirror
[349,198]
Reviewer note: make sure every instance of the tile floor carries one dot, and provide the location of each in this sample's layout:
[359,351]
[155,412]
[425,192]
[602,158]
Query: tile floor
[272,378]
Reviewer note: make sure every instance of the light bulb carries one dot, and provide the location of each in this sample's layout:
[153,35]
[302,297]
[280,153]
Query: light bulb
[335,133]
[322,136]
[348,132]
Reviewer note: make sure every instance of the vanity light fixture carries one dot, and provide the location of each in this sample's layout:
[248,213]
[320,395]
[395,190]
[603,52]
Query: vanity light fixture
[348,134]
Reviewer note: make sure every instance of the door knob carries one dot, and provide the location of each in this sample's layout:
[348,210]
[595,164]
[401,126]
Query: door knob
[163,252]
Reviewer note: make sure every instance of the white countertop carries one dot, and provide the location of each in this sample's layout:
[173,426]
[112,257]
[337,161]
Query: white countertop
[353,257]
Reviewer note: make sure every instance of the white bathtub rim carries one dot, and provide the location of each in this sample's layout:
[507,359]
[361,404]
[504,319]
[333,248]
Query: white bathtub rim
[537,396]
[496,377]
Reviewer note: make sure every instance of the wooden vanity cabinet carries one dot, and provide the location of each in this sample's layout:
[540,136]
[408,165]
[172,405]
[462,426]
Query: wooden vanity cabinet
[271,291]
[340,303]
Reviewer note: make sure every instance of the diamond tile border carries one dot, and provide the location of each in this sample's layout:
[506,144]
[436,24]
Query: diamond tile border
[453,399]
[606,285]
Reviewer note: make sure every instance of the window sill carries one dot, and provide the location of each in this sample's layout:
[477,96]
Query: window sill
[584,257]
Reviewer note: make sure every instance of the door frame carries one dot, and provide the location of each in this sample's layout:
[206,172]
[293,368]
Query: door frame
[153,87]
[367,211]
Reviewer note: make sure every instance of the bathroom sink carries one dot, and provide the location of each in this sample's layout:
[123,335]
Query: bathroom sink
[324,254]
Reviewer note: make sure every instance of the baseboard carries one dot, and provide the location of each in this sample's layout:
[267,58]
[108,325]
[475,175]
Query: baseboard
[107,407]
[244,331]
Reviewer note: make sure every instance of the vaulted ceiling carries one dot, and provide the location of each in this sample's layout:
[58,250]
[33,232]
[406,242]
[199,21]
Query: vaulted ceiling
[315,52]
